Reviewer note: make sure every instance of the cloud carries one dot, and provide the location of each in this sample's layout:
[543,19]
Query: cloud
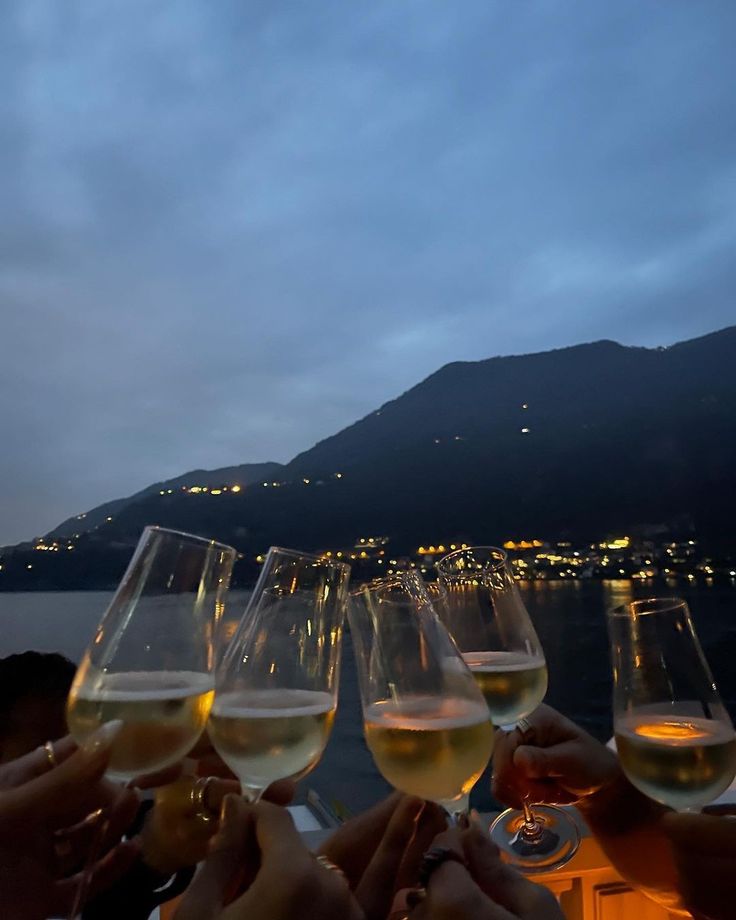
[231,229]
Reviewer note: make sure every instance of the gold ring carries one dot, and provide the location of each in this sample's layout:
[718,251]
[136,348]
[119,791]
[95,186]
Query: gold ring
[51,754]
[525,730]
[198,798]
[329,864]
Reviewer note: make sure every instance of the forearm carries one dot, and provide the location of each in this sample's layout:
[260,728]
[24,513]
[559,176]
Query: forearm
[627,826]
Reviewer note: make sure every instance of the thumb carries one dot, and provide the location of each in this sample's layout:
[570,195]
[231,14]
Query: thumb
[561,761]
[534,762]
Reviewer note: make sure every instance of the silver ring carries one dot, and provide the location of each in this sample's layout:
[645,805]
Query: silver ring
[328,864]
[525,730]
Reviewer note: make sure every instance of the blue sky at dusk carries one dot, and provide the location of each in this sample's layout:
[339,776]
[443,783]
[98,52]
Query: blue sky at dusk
[230,229]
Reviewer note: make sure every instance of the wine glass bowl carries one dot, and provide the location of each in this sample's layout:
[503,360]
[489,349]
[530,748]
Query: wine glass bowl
[425,721]
[277,684]
[150,664]
[483,611]
[674,737]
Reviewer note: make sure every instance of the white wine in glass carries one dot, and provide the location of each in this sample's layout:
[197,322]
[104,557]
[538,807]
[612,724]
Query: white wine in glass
[674,738]
[162,714]
[277,684]
[513,684]
[437,749]
[269,734]
[481,607]
[150,664]
[425,721]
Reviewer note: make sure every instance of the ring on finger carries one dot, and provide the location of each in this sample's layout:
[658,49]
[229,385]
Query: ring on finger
[328,864]
[525,730]
[198,797]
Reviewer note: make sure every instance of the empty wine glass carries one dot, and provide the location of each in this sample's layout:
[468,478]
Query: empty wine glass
[425,721]
[674,738]
[277,684]
[485,614]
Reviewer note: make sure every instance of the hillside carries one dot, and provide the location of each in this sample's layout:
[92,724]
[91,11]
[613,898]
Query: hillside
[574,442]
[243,475]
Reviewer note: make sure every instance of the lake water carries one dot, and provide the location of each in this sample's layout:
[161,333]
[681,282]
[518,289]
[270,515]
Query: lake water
[569,617]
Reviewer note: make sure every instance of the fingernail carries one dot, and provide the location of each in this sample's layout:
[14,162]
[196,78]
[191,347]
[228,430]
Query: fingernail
[93,818]
[103,738]
[475,818]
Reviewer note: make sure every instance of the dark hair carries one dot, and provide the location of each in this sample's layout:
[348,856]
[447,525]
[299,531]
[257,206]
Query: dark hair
[39,675]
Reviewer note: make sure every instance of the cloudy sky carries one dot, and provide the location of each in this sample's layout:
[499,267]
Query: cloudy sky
[228,229]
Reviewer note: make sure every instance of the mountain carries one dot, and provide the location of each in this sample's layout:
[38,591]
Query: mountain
[576,442]
[242,475]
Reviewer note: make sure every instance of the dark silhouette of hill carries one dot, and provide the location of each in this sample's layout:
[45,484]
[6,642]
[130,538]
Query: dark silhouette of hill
[244,475]
[576,442]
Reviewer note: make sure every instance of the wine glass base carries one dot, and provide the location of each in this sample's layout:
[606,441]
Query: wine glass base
[555,843]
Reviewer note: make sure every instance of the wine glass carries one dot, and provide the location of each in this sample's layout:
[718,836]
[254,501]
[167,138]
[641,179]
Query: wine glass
[425,721]
[276,687]
[483,611]
[674,738]
[150,664]
[149,667]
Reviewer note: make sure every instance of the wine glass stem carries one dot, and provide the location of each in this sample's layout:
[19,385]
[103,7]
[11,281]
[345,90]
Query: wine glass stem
[456,809]
[532,828]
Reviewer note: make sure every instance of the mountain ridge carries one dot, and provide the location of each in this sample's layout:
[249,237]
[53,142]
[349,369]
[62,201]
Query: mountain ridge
[584,440]
[242,474]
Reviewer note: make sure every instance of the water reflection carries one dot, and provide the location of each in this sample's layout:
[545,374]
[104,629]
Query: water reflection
[619,591]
